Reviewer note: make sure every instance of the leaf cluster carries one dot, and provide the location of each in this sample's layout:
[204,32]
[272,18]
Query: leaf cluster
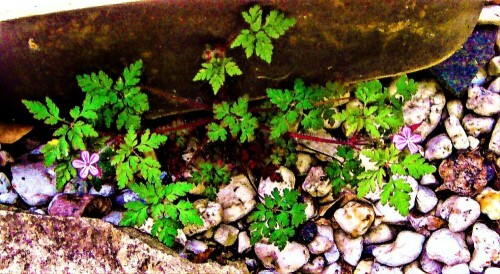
[296,106]
[211,176]
[346,172]
[234,117]
[277,217]
[380,113]
[165,206]
[391,164]
[121,101]
[283,153]
[214,71]
[257,38]
[132,158]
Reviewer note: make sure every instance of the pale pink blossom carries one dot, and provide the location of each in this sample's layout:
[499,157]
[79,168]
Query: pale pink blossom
[406,138]
[87,164]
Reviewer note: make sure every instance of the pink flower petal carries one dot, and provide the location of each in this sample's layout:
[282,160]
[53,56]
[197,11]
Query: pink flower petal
[406,132]
[77,163]
[85,156]
[84,172]
[94,158]
[93,171]
[400,146]
[416,138]
[413,148]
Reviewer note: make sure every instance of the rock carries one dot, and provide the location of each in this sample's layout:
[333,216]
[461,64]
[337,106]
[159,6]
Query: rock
[11,133]
[323,240]
[298,51]
[465,175]
[476,126]
[455,108]
[456,73]
[494,66]
[303,162]
[495,85]
[126,196]
[390,214]
[5,185]
[456,133]
[447,247]
[333,269]
[456,269]
[315,266]
[317,183]
[429,179]
[35,210]
[77,186]
[425,108]
[243,242]
[71,205]
[332,255]
[482,101]
[473,143]
[364,267]
[350,249]
[310,207]
[490,15]
[237,199]
[292,258]
[382,269]
[405,249]
[226,235]
[114,217]
[426,199]
[323,148]
[210,213]
[413,268]
[378,234]
[439,147]
[34,183]
[460,212]
[309,232]
[425,224]
[486,248]
[266,186]
[8,198]
[480,77]
[267,253]
[50,244]
[106,190]
[489,200]
[429,265]
[196,246]
[492,270]
[355,218]
[494,144]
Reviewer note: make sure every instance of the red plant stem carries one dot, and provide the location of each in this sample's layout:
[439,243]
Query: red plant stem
[182,100]
[189,126]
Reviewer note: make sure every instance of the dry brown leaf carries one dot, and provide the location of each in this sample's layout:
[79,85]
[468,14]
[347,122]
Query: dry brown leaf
[10,133]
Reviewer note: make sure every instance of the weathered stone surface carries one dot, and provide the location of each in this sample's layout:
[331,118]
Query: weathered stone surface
[458,71]
[333,40]
[49,244]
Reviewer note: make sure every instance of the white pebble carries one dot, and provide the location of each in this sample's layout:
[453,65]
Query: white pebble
[460,212]
[495,139]
[456,269]
[315,183]
[426,199]
[473,142]
[428,180]
[439,147]
[405,249]
[494,66]
[455,108]
[456,133]
[476,125]
[480,77]
[303,162]
[447,247]
[490,15]
[323,240]
[292,257]
[378,234]
[483,102]
[486,247]
[355,218]
[489,200]
[350,249]
[495,85]
[243,242]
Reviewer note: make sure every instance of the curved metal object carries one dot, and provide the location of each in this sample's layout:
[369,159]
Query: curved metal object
[344,40]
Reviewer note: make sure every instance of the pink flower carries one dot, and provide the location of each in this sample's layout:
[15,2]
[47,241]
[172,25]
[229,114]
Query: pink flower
[87,165]
[406,138]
